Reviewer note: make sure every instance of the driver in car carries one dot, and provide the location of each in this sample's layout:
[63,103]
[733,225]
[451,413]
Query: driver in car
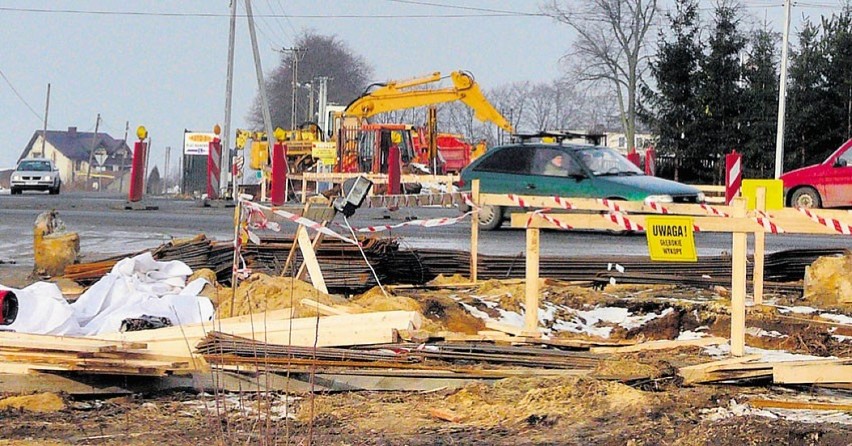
[556,167]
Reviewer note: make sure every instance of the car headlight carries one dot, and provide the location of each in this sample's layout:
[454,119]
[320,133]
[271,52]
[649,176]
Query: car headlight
[16,177]
[701,197]
[47,178]
[659,199]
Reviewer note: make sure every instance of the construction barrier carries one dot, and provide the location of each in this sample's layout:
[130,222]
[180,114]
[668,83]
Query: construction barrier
[278,194]
[733,175]
[214,157]
[592,214]
[445,181]
[137,172]
[650,162]
[394,173]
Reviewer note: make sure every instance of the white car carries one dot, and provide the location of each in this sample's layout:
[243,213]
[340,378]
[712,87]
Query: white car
[35,174]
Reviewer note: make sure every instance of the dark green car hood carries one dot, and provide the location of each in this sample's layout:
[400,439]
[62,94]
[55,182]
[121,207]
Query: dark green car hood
[637,187]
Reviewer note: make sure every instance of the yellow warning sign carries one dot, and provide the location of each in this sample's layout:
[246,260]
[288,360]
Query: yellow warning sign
[670,239]
[774,193]
[325,151]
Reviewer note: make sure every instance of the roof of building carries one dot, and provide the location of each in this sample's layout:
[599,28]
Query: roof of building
[76,145]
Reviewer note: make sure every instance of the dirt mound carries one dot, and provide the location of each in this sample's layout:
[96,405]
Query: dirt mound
[555,400]
[376,300]
[828,281]
[40,402]
[451,280]
[262,293]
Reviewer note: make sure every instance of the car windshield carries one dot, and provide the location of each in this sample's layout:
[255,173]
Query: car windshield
[603,161]
[34,166]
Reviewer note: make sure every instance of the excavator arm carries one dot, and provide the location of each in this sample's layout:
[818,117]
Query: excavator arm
[399,95]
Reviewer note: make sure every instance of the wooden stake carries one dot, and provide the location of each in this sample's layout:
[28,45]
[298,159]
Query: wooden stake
[531,290]
[738,282]
[474,231]
[309,258]
[759,248]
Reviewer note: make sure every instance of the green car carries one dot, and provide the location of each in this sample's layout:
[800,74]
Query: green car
[566,170]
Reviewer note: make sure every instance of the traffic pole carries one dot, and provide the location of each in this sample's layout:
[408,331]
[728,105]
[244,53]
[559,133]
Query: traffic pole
[633,156]
[137,168]
[733,175]
[279,173]
[394,167]
[214,157]
[650,162]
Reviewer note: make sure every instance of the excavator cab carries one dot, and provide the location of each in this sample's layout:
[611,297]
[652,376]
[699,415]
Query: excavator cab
[375,141]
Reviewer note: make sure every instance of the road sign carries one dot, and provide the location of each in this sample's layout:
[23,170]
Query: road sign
[774,193]
[670,239]
[101,156]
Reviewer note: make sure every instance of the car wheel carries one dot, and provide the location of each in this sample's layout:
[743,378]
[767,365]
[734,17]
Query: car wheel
[15,191]
[805,197]
[54,190]
[490,217]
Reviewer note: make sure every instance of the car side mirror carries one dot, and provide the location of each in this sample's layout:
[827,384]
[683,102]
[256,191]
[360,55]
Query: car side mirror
[577,175]
[840,162]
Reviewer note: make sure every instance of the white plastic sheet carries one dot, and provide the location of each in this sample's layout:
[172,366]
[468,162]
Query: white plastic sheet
[134,287]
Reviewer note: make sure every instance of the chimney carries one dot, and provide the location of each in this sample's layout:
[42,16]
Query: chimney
[72,132]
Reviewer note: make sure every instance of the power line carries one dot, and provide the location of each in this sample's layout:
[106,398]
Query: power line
[301,16]
[14,90]
[466,8]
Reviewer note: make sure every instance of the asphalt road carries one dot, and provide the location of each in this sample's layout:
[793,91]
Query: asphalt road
[106,228]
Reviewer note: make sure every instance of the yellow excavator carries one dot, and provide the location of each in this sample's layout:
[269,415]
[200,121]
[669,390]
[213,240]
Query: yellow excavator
[357,151]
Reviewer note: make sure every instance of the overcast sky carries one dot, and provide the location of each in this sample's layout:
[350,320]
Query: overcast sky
[162,64]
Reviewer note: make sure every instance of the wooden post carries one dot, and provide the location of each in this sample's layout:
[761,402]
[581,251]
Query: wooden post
[531,290]
[304,187]
[309,257]
[759,247]
[738,282]
[474,231]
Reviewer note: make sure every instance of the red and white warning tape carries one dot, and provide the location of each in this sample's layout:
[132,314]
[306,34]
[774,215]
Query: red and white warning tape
[713,211]
[518,200]
[831,223]
[611,205]
[431,223]
[543,214]
[298,219]
[622,221]
[657,207]
[763,219]
[562,203]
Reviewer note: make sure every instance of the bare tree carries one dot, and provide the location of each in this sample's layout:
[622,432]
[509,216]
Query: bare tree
[610,46]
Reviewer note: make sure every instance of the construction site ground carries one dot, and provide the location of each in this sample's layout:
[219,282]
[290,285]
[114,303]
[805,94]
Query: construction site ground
[630,398]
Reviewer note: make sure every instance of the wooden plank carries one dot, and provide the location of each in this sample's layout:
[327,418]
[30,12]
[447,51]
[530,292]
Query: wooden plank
[474,232]
[63,343]
[309,258]
[701,372]
[323,308]
[799,405]
[759,250]
[661,345]
[738,282]
[326,331]
[26,383]
[531,289]
[504,328]
[812,374]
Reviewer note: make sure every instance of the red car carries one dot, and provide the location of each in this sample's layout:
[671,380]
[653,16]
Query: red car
[826,185]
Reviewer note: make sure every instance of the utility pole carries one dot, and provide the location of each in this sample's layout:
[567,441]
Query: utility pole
[229,88]
[322,110]
[261,86]
[166,170]
[123,158]
[297,55]
[44,129]
[92,150]
[782,93]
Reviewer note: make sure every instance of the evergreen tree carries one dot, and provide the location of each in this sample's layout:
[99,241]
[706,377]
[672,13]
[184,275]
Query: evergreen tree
[761,104]
[807,107]
[838,48]
[671,110]
[720,89]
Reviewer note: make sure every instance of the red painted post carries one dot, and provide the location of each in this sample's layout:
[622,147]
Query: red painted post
[633,156]
[279,174]
[733,175]
[214,156]
[394,167]
[650,162]
[137,172]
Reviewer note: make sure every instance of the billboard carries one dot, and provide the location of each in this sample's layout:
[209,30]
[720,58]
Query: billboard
[197,143]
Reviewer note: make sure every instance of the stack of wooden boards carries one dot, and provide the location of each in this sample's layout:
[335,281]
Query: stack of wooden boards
[24,353]
[835,373]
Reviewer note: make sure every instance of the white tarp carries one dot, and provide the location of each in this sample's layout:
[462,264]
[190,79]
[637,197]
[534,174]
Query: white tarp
[135,287]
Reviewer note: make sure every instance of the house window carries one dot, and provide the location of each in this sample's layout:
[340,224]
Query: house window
[622,142]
